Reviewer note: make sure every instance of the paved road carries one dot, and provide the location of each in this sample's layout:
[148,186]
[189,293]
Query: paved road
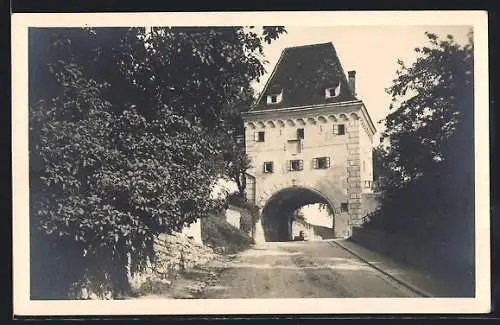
[301,270]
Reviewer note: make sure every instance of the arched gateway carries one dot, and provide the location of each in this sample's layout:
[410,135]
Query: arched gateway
[310,141]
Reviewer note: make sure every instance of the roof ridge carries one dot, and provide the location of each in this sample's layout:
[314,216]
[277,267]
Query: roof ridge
[308,45]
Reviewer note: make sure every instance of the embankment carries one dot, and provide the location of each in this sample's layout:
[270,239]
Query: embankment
[449,261]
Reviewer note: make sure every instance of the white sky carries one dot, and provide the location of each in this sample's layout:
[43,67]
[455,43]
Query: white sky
[373,52]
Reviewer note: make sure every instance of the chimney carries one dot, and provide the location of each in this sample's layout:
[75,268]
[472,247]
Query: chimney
[352,81]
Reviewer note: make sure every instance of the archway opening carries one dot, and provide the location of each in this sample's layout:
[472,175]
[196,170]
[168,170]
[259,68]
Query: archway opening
[279,215]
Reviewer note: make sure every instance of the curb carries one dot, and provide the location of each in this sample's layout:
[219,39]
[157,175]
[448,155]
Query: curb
[410,286]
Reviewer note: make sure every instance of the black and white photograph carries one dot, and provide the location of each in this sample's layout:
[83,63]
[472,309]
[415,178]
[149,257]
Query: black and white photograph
[250,163]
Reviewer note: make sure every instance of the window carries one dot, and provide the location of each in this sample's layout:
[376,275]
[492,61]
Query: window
[344,207]
[332,92]
[368,184]
[259,136]
[296,165]
[268,167]
[364,166]
[321,163]
[275,98]
[339,129]
[300,133]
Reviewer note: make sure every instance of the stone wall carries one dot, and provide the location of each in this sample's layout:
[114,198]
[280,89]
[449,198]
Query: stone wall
[193,231]
[298,226]
[312,232]
[175,253]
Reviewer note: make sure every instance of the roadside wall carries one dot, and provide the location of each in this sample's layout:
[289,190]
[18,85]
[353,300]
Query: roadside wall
[233,216]
[436,257]
[193,232]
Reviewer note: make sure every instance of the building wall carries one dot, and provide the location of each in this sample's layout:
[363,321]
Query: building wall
[366,149]
[233,217]
[340,183]
[297,227]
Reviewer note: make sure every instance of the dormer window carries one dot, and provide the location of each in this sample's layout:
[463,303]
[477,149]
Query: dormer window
[332,92]
[275,98]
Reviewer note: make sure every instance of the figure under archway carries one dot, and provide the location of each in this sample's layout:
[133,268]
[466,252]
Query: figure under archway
[277,214]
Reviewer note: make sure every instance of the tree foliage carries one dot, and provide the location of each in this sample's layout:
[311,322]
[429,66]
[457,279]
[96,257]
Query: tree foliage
[425,163]
[298,216]
[123,142]
[236,162]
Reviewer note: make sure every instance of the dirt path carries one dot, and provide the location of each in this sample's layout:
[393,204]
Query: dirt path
[285,270]
[299,270]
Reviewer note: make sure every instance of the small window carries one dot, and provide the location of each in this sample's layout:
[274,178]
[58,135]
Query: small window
[275,98]
[321,163]
[300,133]
[364,166]
[296,165]
[339,129]
[268,167]
[259,136]
[344,207]
[332,92]
[368,184]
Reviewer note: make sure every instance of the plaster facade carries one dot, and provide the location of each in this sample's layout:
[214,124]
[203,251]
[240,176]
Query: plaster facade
[341,182]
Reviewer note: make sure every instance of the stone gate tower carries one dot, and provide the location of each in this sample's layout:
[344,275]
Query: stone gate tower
[310,141]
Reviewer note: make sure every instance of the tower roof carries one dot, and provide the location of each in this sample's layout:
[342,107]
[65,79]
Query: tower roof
[302,74]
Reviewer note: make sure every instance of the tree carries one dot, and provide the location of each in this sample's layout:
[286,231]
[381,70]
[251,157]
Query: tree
[383,173]
[298,216]
[427,156]
[122,142]
[236,160]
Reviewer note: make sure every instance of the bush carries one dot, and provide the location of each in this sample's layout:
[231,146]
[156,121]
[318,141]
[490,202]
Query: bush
[218,234]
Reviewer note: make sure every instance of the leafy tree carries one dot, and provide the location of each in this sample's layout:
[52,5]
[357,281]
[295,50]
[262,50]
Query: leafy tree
[427,156]
[384,176]
[236,161]
[123,144]
[298,216]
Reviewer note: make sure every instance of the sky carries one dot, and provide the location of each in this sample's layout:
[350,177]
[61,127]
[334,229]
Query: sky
[371,51]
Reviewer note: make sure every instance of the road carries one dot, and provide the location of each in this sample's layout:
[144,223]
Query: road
[301,270]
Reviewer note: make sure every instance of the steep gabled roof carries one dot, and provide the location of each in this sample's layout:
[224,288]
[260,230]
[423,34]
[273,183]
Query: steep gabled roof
[303,73]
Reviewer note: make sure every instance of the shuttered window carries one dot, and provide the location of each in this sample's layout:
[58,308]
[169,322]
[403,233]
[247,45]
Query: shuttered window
[321,163]
[268,167]
[295,165]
